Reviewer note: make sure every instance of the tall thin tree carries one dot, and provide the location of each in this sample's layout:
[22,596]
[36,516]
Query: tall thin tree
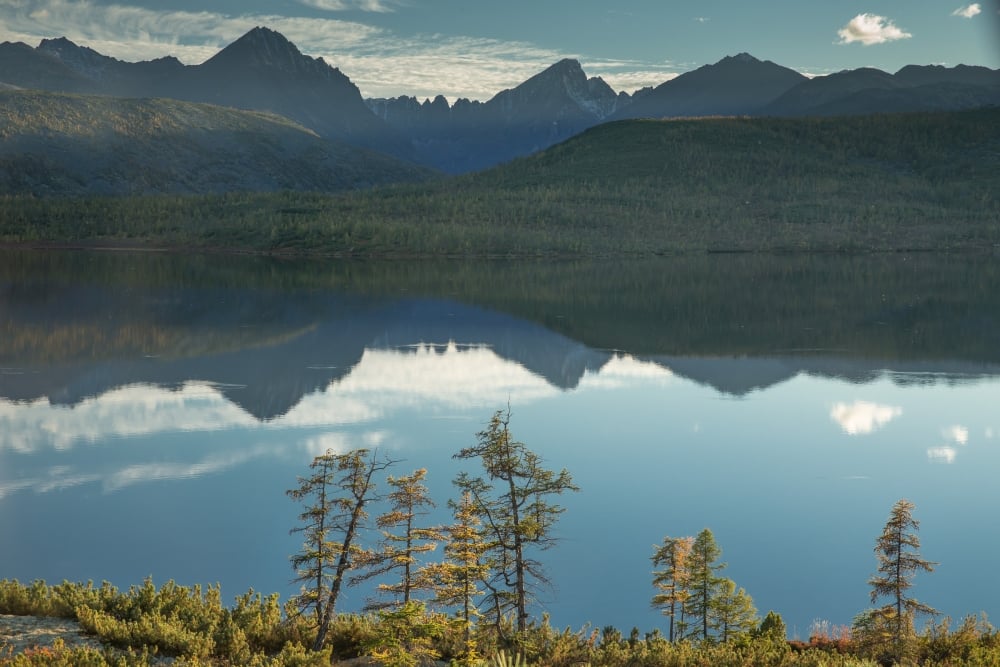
[705,580]
[897,550]
[337,501]
[459,578]
[513,500]
[672,581]
[733,612]
[403,540]
[313,565]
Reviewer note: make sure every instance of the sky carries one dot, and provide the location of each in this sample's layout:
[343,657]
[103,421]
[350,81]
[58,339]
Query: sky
[476,48]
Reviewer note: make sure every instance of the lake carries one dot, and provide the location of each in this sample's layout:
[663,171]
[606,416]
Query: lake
[154,409]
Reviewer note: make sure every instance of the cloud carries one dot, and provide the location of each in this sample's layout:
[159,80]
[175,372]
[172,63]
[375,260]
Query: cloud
[941,454]
[702,19]
[344,5]
[958,434]
[871,29]
[380,62]
[968,11]
[861,417]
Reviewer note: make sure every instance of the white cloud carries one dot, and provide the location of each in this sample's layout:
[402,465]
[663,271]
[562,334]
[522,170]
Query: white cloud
[343,5]
[870,29]
[702,19]
[968,11]
[862,417]
[941,454]
[380,62]
[957,434]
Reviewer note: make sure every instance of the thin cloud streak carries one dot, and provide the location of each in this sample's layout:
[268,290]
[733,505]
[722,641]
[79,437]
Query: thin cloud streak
[342,6]
[379,62]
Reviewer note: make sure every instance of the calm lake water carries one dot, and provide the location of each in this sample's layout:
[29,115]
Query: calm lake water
[155,408]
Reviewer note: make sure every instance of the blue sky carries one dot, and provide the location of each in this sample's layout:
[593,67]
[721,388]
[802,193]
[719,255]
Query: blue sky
[474,48]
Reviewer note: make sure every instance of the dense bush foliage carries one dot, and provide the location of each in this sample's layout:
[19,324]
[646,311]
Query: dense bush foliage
[139,625]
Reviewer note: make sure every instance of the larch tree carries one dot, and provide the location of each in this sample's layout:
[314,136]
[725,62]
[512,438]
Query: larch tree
[314,564]
[403,540]
[733,612]
[335,498]
[458,579]
[672,581]
[898,553]
[514,504]
[705,581]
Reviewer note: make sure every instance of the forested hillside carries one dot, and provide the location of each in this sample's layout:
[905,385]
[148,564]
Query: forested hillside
[63,144]
[868,183]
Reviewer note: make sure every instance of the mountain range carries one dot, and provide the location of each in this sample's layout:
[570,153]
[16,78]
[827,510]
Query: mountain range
[263,71]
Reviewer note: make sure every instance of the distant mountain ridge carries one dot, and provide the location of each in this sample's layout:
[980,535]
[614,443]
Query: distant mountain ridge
[264,71]
[736,85]
[551,106]
[261,71]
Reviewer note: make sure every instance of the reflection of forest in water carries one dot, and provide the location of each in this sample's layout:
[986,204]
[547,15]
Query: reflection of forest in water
[234,371]
[83,322]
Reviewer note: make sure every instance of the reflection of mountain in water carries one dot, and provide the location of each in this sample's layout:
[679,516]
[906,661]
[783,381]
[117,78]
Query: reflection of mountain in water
[325,337]
[267,334]
[271,372]
[738,376]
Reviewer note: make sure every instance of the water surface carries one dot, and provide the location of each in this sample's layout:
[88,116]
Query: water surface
[155,408]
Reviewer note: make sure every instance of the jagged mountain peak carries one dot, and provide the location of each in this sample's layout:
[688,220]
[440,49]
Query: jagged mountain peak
[563,86]
[742,57]
[57,43]
[566,64]
[263,48]
[67,49]
[566,72]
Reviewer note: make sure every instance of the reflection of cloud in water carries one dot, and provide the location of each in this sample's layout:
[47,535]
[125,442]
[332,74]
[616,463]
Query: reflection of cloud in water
[339,443]
[448,377]
[941,454]
[125,412]
[439,376]
[153,472]
[622,370]
[862,417]
[61,477]
[957,434]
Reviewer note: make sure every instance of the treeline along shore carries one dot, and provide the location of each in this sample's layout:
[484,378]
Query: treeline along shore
[878,183]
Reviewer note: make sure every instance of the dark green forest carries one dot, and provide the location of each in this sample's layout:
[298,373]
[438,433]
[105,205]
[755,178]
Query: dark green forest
[888,182]
[462,594]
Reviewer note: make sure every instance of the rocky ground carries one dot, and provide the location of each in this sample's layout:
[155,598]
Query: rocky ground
[18,633]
